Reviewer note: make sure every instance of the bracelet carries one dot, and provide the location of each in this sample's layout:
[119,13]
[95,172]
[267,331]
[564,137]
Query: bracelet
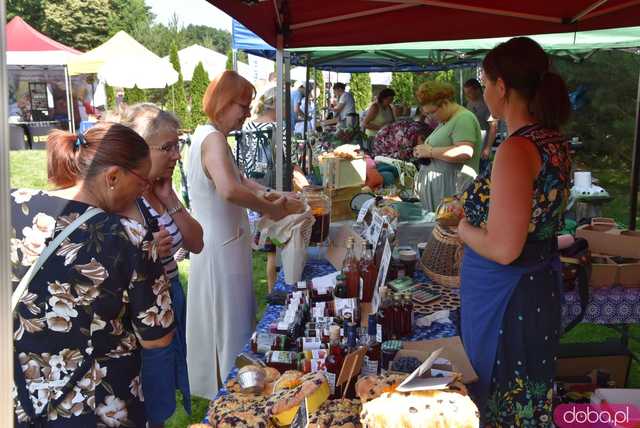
[430,151]
[176,209]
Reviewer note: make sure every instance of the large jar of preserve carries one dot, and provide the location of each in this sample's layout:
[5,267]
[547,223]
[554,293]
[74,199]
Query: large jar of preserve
[320,205]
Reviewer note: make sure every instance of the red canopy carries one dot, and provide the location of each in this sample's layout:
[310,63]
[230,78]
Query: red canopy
[23,37]
[357,22]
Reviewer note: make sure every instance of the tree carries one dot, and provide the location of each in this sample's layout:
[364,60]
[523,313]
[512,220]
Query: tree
[177,96]
[32,11]
[229,64]
[319,80]
[199,84]
[402,84]
[83,24]
[360,85]
[128,15]
[111,96]
[134,95]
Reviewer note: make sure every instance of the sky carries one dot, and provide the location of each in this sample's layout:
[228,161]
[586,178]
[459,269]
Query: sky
[198,12]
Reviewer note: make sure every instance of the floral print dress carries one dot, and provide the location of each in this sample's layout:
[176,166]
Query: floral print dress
[76,327]
[521,383]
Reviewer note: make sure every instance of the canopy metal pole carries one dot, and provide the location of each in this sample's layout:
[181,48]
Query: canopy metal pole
[461,88]
[290,123]
[306,117]
[6,324]
[279,112]
[67,89]
[635,167]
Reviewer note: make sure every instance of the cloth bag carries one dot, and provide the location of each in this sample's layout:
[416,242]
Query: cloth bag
[292,233]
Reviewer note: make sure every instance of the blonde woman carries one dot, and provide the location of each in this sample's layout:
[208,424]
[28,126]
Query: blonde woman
[452,150]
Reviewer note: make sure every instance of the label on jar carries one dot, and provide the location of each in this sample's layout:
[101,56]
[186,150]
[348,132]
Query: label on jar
[311,343]
[318,312]
[318,364]
[369,366]
[318,354]
[331,379]
[302,285]
[323,320]
[280,357]
[379,333]
[283,326]
[264,342]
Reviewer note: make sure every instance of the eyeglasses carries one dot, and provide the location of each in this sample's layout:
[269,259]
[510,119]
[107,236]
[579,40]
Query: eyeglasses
[167,148]
[145,180]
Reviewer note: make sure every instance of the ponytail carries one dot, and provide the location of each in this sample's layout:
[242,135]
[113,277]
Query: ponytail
[62,166]
[550,104]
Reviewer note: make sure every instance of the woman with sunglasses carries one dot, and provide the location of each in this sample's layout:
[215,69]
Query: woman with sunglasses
[165,371]
[98,298]
[452,149]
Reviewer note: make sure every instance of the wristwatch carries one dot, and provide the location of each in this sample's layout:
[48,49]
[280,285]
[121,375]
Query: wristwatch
[177,208]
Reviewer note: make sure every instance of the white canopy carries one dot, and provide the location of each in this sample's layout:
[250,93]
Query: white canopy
[123,62]
[214,62]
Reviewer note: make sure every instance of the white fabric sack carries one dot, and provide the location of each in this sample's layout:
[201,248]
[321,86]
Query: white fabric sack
[294,232]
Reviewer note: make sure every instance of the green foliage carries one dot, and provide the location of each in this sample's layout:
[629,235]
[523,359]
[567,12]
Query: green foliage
[82,24]
[199,84]
[127,15]
[360,86]
[606,123]
[229,64]
[111,97]
[177,95]
[319,80]
[449,76]
[402,83]
[32,11]
[134,95]
[212,38]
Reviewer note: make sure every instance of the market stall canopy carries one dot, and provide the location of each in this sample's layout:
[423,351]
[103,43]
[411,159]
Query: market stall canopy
[214,62]
[27,46]
[303,23]
[123,62]
[352,59]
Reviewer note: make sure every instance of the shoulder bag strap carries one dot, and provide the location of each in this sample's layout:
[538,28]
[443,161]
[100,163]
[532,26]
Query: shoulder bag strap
[53,245]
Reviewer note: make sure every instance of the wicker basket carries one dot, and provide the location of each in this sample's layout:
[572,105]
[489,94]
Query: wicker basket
[442,256]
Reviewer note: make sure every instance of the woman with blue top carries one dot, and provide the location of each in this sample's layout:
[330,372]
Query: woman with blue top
[165,370]
[450,155]
[510,282]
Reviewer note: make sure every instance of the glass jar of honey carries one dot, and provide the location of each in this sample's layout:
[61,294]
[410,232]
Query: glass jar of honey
[320,205]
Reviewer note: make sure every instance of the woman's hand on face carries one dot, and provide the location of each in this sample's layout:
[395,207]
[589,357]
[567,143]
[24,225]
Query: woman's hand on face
[163,242]
[163,189]
[422,150]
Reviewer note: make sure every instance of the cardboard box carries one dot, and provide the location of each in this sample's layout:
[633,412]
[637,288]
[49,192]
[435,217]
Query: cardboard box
[579,359]
[452,351]
[605,272]
[341,202]
[605,238]
[340,173]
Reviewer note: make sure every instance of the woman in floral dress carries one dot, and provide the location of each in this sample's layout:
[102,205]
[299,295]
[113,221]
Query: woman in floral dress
[79,326]
[510,276]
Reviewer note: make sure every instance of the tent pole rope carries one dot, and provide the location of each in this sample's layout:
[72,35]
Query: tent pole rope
[635,167]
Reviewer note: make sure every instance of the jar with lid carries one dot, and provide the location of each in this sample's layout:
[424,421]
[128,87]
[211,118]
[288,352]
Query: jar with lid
[320,204]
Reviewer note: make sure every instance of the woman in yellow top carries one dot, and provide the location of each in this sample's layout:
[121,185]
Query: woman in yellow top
[380,113]
[452,149]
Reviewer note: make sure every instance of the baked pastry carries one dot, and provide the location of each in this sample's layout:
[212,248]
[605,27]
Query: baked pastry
[285,399]
[237,404]
[243,419]
[371,387]
[420,409]
[200,426]
[337,414]
[271,374]
[289,379]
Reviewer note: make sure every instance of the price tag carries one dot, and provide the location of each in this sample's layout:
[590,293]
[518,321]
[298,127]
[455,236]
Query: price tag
[375,229]
[382,275]
[365,209]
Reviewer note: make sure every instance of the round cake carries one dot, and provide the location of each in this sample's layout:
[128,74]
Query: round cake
[337,414]
[420,409]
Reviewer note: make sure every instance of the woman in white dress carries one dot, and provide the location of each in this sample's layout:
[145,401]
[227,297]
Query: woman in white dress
[220,302]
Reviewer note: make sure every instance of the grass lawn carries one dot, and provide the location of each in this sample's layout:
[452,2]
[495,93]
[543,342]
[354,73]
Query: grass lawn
[28,169]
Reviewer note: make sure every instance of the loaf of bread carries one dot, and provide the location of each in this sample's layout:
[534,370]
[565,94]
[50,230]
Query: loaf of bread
[420,409]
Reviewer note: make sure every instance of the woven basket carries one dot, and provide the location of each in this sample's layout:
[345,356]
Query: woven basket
[442,256]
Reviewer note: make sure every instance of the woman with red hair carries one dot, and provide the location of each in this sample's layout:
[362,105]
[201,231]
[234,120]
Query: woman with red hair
[220,304]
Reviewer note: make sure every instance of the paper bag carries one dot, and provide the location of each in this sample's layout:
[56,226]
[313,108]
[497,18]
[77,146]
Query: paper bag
[292,233]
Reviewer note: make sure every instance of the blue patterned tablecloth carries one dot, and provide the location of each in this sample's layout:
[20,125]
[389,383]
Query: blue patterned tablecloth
[607,305]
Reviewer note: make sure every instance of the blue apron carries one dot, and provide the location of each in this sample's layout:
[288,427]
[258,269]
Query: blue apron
[485,291]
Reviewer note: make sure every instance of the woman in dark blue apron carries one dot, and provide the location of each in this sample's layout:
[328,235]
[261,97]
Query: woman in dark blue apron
[510,287]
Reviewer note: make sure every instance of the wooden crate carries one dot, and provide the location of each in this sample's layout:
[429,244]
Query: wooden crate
[341,202]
